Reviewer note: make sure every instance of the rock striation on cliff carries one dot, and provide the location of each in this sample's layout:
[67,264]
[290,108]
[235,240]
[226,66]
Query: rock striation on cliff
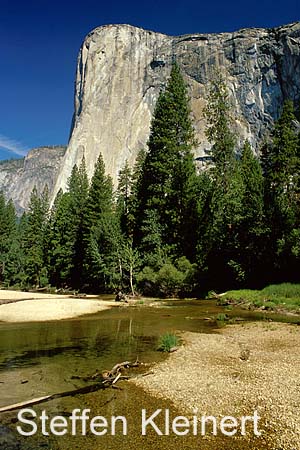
[121,70]
[39,168]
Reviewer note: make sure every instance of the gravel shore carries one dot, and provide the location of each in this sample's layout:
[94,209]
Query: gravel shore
[240,369]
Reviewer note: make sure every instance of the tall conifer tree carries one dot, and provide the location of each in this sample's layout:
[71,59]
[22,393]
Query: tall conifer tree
[282,191]
[35,238]
[66,230]
[78,190]
[62,239]
[219,242]
[9,248]
[98,218]
[218,132]
[123,200]
[168,175]
[252,231]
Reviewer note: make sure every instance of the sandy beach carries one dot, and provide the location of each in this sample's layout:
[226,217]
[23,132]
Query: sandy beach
[234,372]
[34,307]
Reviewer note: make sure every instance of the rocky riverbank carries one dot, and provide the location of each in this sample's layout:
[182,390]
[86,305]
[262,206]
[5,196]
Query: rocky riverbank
[240,369]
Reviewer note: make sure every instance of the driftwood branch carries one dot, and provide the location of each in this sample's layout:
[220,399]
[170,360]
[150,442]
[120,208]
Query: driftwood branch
[46,398]
[104,380]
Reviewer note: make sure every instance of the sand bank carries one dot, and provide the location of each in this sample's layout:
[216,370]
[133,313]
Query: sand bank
[34,307]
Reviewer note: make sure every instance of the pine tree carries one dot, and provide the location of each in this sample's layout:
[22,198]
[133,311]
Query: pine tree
[252,174]
[97,214]
[165,184]
[9,249]
[35,239]
[78,190]
[184,208]
[137,172]
[282,190]
[151,245]
[284,152]
[252,231]
[3,235]
[221,240]
[135,207]
[62,241]
[123,200]
[100,197]
[218,245]
[66,231]
[105,264]
[218,132]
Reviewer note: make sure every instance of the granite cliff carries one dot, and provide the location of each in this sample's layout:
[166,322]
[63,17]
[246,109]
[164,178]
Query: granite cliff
[39,168]
[121,70]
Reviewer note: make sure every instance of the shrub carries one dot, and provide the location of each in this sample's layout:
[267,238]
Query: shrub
[169,280]
[146,281]
[221,317]
[167,342]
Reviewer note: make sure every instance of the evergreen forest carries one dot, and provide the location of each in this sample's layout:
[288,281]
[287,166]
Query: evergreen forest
[169,229]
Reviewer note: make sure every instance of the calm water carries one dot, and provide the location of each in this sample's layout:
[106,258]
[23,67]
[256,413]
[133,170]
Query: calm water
[37,359]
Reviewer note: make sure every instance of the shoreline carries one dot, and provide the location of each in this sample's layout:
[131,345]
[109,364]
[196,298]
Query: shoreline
[16,307]
[237,370]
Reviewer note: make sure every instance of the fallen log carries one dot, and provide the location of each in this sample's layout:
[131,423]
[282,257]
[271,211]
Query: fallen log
[124,365]
[116,379]
[111,380]
[46,398]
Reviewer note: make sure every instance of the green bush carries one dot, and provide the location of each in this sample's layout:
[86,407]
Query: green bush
[229,308]
[167,342]
[221,317]
[146,281]
[169,280]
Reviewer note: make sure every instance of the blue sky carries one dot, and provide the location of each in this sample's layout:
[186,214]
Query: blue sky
[40,39]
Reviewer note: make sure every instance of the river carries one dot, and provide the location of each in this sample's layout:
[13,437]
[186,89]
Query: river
[38,359]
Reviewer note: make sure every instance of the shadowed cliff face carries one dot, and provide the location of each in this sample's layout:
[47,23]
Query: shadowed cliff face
[39,168]
[121,70]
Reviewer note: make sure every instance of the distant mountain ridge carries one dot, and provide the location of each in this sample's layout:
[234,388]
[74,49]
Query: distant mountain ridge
[39,168]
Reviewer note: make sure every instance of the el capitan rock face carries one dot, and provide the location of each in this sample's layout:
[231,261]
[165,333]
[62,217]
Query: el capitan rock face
[121,70]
